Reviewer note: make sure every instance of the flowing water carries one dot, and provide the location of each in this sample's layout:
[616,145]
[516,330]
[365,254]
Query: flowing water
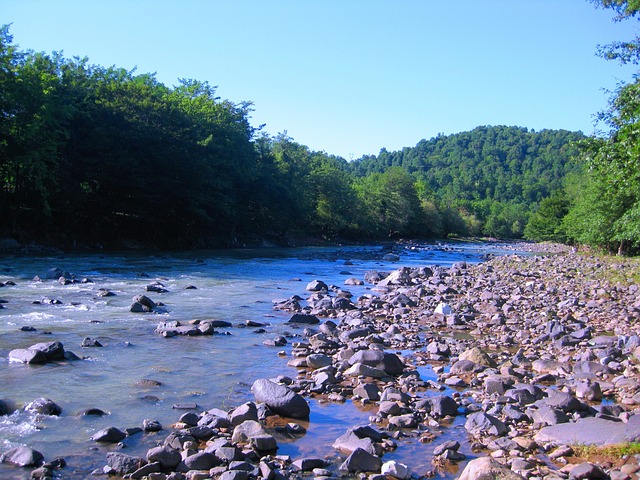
[211,371]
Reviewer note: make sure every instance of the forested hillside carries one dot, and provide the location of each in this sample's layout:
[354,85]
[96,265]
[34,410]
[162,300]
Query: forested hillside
[487,180]
[106,157]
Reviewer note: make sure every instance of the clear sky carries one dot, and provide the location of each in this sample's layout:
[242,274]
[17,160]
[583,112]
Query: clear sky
[353,76]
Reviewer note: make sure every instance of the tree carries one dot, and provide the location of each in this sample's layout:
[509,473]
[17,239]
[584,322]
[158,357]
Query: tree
[546,223]
[608,213]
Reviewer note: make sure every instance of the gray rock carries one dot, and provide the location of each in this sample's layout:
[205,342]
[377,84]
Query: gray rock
[280,399]
[22,457]
[318,360]
[52,350]
[317,286]
[307,464]
[481,423]
[109,435]
[149,425]
[547,415]
[264,443]
[234,475]
[201,461]
[442,406]
[349,442]
[248,429]
[146,470]
[43,406]
[167,457]
[391,364]
[4,408]
[361,461]
[591,431]
[124,464]
[486,468]
[367,391]
[247,411]
[304,319]
[397,470]
[25,355]
[587,471]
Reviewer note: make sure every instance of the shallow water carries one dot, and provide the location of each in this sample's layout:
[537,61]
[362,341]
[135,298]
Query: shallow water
[211,371]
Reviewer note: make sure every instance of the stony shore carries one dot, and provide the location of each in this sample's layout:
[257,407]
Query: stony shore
[539,353]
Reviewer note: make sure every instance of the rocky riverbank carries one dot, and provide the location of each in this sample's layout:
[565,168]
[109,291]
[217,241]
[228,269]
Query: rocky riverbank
[538,354]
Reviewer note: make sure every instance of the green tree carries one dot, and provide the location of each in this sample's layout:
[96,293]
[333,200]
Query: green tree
[546,223]
[607,213]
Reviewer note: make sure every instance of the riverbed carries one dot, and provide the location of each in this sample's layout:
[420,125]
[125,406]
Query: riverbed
[137,374]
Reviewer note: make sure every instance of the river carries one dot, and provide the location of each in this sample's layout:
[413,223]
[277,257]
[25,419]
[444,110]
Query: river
[211,371]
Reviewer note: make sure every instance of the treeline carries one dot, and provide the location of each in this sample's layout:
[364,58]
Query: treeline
[601,206]
[104,156]
[486,181]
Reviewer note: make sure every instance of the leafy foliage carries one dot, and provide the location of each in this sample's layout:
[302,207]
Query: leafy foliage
[606,212]
[109,157]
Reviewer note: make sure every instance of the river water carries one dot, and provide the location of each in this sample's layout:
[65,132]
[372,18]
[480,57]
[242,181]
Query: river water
[211,371]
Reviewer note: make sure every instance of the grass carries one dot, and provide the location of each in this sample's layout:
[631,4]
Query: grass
[625,271]
[610,452]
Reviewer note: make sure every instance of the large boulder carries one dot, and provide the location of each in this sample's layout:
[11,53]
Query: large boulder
[592,431]
[280,399]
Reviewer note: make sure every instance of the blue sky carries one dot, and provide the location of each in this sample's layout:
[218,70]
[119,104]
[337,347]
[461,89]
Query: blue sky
[353,76]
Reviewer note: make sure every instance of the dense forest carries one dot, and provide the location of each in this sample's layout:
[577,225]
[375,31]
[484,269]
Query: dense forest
[107,158]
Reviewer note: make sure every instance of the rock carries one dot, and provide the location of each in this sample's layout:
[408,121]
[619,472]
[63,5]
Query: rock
[263,443]
[247,411]
[481,423]
[52,350]
[448,445]
[149,425]
[349,442]
[317,286]
[280,399]
[361,461]
[367,391]
[591,431]
[22,457]
[201,461]
[443,309]
[248,429]
[587,471]
[90,342]
[4,408]
[308,464]
[109,435]
[476,355]
[304,319]
[359,369]
[318,360]
[367,357]
[391,364]
[124,464]
[396,470]
[43,406]
[168,457]
[486,468]
[24,355]
[442,406]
